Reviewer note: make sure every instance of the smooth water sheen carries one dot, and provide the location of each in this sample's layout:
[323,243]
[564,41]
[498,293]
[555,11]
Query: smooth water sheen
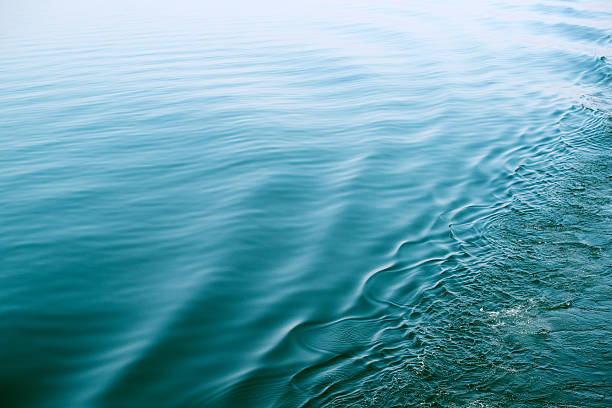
[329,204]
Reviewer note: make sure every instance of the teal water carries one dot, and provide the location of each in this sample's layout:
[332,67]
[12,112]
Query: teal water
[328,204]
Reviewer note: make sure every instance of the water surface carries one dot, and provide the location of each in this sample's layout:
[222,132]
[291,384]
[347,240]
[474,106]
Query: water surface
[352,204]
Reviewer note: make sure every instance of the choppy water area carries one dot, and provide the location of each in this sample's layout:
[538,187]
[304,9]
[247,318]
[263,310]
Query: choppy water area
[358,204]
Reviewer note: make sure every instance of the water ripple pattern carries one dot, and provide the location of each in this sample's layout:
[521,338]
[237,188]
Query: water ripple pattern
[321,204]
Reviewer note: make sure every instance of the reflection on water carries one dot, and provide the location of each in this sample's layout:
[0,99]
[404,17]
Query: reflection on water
[375,204]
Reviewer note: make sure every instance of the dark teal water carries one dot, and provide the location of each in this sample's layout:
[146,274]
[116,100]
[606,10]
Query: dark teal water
[341,204]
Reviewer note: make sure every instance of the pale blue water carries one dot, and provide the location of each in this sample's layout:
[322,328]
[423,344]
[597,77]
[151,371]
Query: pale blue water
[356,204]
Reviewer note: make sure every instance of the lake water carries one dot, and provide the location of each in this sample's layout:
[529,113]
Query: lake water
[328,204]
